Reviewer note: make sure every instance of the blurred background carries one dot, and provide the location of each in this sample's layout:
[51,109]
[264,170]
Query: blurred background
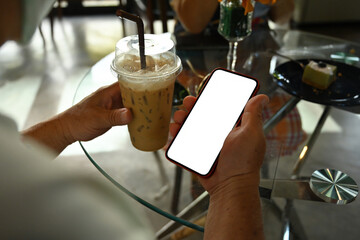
[40,79]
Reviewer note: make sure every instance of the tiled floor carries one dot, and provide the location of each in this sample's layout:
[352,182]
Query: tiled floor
[40,80]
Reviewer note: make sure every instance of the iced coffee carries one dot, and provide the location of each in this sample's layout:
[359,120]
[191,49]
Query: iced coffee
[148,93]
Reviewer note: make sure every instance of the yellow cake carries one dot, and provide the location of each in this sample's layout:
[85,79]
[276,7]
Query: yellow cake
[319,74]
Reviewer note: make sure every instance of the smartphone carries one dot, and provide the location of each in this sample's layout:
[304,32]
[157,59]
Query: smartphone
[217,110]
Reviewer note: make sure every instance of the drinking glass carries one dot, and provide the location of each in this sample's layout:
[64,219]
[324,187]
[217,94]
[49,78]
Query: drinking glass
[234,26]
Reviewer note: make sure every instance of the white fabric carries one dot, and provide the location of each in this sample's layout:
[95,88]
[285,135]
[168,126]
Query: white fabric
[41,200]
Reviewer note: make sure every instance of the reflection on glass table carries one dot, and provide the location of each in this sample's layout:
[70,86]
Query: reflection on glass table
[148,177]
[155,182]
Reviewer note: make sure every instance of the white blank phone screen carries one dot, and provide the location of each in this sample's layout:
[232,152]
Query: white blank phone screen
[214,115]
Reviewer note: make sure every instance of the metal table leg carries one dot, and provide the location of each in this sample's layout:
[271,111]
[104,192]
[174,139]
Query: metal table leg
[308,147]
[279,115]
[186,213]
[163,177]
[291,224]
[177,188]
[297,168]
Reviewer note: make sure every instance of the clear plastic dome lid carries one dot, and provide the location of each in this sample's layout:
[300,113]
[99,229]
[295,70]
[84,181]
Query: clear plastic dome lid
[159,51]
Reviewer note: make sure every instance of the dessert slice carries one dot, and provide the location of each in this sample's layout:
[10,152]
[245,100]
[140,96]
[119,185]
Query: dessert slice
[319,74]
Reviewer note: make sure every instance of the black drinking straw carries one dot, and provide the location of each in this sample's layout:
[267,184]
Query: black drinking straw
[140,27]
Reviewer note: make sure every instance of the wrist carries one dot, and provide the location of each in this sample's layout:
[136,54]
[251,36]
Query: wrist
[51,133]
[235,209]
[236,186]
[64,131]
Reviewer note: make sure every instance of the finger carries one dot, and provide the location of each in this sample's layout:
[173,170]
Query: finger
[189,102]
[253,110]
[109,96]
[119,117]
[174,128]
[114,92]
[179,116]
[112,88]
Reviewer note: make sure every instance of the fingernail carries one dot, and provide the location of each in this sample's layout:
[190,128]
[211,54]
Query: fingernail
[125,114]
[123,110]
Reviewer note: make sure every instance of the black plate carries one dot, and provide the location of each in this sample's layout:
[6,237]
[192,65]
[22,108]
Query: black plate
[345,91]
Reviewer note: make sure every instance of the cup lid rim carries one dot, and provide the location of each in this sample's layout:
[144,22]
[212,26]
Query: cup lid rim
[176,70]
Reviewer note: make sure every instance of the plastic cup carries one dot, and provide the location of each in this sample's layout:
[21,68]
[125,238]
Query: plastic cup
[147,92]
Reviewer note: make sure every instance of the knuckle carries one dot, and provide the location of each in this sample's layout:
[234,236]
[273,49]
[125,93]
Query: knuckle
[112,118]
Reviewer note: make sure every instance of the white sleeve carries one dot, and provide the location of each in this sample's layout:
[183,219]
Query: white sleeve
[41,200]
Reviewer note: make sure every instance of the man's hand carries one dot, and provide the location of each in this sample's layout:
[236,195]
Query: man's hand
[88,119]
[243,150]
[95,114]
[234,210]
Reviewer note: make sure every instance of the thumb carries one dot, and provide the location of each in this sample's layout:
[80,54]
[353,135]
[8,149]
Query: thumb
[253,110]
[120,116]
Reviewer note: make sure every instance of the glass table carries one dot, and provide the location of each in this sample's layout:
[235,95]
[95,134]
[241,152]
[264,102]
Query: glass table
[161,186]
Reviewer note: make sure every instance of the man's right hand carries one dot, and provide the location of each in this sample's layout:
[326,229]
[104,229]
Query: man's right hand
[235,210]
[243,150]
